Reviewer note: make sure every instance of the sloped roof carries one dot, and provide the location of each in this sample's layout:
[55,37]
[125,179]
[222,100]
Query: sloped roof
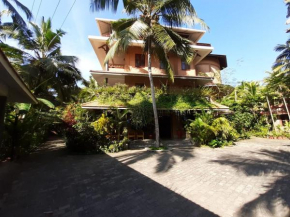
[12,86]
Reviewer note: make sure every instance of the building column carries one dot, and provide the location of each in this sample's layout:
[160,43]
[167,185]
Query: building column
[3,100]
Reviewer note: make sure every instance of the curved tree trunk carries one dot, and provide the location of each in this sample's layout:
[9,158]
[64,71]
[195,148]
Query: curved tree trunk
[153,95]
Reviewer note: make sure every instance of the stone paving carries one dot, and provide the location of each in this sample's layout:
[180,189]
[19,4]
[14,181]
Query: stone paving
[249,179]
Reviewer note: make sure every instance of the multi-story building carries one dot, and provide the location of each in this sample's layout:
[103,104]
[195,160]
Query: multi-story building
[131,69]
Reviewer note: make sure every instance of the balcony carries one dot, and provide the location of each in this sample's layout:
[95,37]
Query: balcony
[116,66]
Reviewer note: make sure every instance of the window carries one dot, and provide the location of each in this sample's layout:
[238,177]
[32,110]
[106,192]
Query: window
[139,60]
[184,66]
[162,65]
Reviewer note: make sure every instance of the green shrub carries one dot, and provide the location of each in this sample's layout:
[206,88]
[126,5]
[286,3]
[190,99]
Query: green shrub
[201,132]
[218,132]
[84,140]
[116,146]
[224,129]
[215,143]
[26,128]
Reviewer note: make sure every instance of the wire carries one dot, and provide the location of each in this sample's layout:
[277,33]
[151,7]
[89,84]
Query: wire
[55,9]
[68,13]
[32,6]
[38,10]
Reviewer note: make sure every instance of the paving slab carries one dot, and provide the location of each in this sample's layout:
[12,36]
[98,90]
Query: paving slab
[249,179]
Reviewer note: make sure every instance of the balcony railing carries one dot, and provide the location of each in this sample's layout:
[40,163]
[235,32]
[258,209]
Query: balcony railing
[117,66]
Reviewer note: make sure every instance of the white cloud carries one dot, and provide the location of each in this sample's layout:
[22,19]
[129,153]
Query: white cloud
[88,61]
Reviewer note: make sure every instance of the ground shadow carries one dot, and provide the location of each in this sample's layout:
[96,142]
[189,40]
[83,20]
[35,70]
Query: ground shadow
[93,185]
[262,163]
[166,160]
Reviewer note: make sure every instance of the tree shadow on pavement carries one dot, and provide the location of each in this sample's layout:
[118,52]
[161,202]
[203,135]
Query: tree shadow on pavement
[260,163]
[92,185]
[165,160]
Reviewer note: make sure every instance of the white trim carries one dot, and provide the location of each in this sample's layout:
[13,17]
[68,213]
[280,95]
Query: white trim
[140,42]
[95,72]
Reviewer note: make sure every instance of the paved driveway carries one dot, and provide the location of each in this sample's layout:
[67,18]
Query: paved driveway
[249,179]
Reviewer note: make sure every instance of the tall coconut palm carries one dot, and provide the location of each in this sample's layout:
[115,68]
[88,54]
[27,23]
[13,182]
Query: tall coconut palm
[12,11]
[158,40]
[281,67]
[47,72]
[287,2]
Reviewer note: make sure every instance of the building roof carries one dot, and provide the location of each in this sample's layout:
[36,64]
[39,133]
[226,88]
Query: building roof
[11,84]
[104,26]
[222,59]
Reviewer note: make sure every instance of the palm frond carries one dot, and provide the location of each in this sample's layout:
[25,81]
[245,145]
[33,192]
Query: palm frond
[161,37]
[178,13]
[280,47]
[24,9]
[161,55]
[182,46]
[98,5]
[46,102]
[16,17]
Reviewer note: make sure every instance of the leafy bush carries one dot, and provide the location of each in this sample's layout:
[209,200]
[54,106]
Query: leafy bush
[116,146]
[122,95]
[224,130]
[215,143]
[84,140]
[218,132]
[243,121]
[26,128]
[81,137]
[201,132]
[102,125]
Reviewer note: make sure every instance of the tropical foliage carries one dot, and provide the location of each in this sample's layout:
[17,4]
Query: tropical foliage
[11,11]
[157,40]
[26,127]
[206,129]
[47,72]
[87,132]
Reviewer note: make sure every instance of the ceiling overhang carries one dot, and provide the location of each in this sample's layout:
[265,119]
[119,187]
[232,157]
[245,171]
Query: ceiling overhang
[98,41]
[12,86]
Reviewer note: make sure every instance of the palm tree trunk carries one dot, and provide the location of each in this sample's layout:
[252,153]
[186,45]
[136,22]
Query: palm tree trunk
[274,127]
[286,106]
[153,95]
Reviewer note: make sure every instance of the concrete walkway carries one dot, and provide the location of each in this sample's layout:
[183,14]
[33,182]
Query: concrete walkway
[249,179]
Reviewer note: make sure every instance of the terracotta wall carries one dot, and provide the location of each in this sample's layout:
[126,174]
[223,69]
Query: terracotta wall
[129,64]
[207,65]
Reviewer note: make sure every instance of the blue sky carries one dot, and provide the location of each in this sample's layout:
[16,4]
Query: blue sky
[246,31]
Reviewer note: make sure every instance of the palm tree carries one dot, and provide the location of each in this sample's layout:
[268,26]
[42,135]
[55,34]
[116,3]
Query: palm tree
[88,93]
[11,10]
[281,67]
[47,72]
[158,40]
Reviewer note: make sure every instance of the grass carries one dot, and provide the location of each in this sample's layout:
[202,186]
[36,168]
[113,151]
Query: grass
[158,148]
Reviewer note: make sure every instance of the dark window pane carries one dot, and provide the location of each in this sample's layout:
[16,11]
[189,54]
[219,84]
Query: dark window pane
[184,66]
[139,60]
[162,65]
